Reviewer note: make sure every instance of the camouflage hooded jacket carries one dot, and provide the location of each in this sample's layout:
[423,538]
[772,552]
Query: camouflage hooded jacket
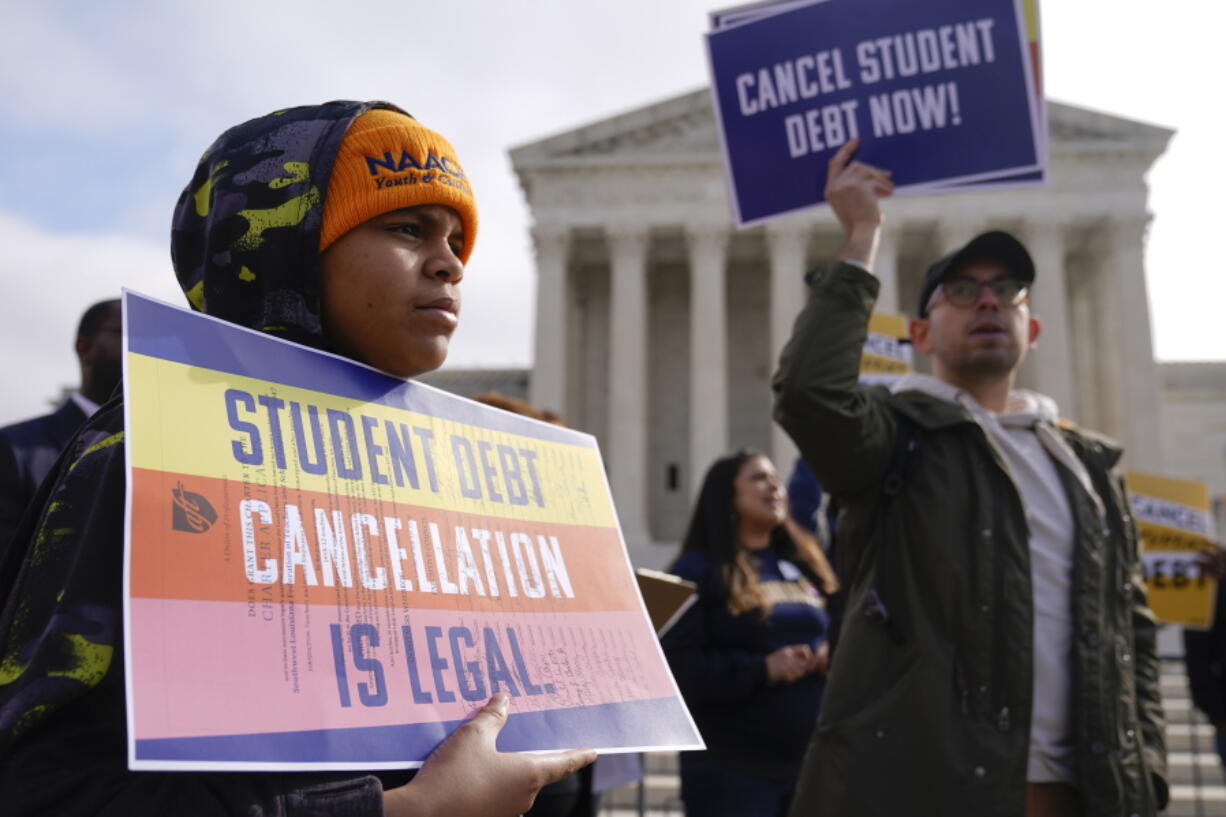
[245,247]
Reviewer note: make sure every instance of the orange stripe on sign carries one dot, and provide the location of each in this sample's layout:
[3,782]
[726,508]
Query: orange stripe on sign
[218,540]
[1038,68]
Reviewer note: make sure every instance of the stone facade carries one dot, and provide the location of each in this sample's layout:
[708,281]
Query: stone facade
[658,324]
[1194,434]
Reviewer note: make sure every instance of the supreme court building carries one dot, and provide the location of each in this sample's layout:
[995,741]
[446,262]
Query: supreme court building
[659,324]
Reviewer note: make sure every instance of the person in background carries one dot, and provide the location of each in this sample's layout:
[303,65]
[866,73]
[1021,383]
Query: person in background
[29,449]
[295,224]
[805,501]
[750,656]
[1205,656]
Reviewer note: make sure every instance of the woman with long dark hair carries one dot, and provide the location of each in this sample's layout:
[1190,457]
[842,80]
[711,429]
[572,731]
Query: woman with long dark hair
[750,656]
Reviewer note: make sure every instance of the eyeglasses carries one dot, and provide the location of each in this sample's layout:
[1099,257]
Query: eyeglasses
[966,291]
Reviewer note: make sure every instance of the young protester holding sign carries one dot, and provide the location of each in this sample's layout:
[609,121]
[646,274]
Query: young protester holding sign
[344,227]
[996,655]
[750,656]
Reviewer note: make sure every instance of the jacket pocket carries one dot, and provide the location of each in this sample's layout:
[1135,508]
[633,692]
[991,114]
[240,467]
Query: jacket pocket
[883,759]
[865,676]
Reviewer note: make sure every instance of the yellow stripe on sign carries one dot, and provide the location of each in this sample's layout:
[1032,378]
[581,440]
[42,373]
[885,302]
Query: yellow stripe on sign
[1030,10]
[881,323]
[1185,492]
[1160,537]
[875,364]
[197,421]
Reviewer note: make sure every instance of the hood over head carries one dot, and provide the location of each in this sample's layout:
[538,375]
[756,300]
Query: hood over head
[246,237]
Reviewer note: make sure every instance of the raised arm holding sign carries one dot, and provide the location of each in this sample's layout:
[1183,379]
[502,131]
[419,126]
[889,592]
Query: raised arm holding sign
[854,190]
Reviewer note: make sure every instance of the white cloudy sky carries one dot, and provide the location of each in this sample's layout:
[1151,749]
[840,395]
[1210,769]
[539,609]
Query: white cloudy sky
[105,107]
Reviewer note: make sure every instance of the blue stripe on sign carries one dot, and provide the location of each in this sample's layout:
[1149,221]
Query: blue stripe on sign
[159,330]
[655,722]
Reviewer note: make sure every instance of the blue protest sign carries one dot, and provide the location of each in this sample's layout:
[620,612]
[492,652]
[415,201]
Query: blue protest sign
[940,93]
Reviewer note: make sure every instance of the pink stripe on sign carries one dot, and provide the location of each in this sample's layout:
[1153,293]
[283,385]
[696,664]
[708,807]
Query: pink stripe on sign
[224,668]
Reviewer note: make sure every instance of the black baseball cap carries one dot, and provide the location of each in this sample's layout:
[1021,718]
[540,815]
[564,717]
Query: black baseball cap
[994,245]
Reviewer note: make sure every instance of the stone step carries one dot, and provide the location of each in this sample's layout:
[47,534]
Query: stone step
[660,762]
[1183,742]
[1187,768]
[1198,784]
[659,791]
[1178,709]
[1184,802]
[1185,737]
[1187,801]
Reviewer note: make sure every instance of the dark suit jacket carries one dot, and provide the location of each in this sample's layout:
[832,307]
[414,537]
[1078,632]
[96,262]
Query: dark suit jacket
[27,452]
[1205,653]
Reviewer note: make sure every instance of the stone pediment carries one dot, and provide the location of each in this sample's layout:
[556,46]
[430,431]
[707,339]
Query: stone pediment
[676,128]
[683,128]
[1069,123]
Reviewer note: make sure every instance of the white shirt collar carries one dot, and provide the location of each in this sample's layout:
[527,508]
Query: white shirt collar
[84,403]
[1020,402]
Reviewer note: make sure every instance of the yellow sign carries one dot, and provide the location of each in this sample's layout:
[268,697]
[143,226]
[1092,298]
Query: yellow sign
[1176,527]
[887,351]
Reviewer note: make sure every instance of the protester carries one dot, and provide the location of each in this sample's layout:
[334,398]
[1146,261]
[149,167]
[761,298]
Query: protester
[1205,656]
[286,228]
[750,655]
[805,500]
[996,654]
[29,449]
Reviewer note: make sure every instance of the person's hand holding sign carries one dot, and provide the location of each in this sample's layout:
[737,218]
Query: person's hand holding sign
[465,774]
[853,190]
[1213,561]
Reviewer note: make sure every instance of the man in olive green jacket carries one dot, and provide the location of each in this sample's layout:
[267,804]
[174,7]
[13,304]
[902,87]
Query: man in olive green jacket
[997,654]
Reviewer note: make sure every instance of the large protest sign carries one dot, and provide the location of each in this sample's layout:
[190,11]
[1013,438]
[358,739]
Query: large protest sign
[887,353]
[749,12]
[1030,178]
[1176,526]
[331,568]
[942,93]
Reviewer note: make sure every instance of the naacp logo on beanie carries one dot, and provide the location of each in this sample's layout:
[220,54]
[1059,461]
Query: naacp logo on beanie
[387,161]
[407,161]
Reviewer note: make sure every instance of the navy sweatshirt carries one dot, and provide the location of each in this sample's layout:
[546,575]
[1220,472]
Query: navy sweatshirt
[719,660]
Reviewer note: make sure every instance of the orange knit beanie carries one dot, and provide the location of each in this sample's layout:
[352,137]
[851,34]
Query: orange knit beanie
[388,161]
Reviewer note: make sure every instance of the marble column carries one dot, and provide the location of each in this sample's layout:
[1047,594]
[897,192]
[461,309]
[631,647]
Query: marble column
[1141,383]
[956,231]
[1103,303]
[1052,359]
[786,242]
[1084,335]
[549,362]
[885,267]
[627,452]
[708,349]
